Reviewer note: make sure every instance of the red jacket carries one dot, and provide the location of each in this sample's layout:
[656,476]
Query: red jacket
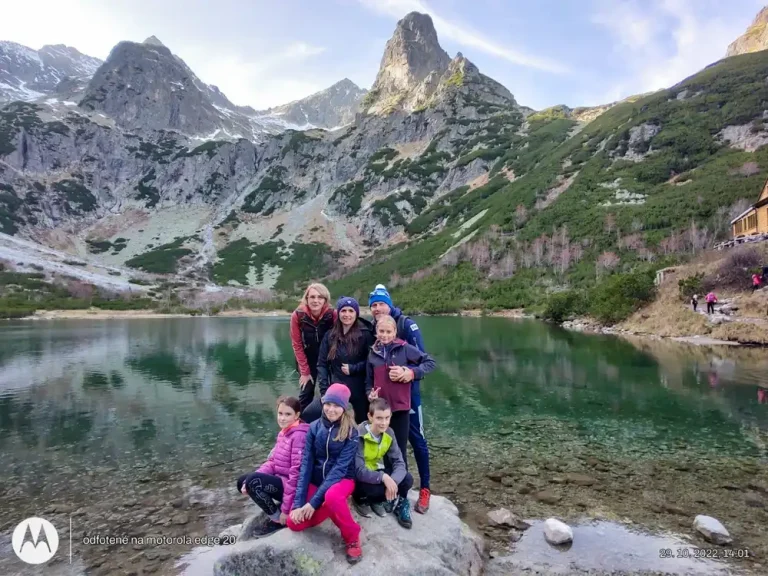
[400,353]
[284,461]
[297,341]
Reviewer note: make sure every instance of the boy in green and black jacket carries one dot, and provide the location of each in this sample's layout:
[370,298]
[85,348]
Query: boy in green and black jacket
[382,481]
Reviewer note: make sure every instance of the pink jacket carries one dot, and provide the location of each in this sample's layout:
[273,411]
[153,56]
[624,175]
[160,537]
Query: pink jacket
[284,461]
[711,297]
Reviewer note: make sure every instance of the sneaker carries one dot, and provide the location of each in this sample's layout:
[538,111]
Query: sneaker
[390,505]
[362,508]
[354,552]
[266,526]
[423,504]
[403,513]
[379,509]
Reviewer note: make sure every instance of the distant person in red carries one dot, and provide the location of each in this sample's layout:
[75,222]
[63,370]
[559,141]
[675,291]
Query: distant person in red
[755,282]
[762,395]
[711,299]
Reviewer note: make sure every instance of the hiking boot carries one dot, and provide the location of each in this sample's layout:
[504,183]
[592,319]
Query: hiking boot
[389,505]
[423,504]
[354,552]
[362,508]
[266,526]
[379,509]
[403,513]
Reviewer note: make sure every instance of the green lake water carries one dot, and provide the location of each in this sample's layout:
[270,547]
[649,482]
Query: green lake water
[95,411]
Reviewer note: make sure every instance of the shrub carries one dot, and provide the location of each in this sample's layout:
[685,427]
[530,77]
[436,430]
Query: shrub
[564,305]
[690,286]
[735,271]
[619,296]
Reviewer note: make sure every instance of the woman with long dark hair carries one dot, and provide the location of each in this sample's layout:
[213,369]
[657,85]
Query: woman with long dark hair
[342,358]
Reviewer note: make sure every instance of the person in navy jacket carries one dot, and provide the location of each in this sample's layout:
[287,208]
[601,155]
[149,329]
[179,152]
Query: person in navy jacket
[327,477]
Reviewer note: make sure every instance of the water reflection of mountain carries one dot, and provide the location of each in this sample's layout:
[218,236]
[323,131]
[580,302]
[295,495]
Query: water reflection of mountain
[492,369]
[173,389]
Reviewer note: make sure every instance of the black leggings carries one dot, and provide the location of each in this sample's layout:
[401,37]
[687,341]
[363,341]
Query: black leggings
[710,307]
[373,493]
[266,490]
[401,424]
[307,393]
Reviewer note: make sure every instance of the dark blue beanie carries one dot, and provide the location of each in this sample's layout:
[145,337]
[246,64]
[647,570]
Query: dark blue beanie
[347,301]
[380,294]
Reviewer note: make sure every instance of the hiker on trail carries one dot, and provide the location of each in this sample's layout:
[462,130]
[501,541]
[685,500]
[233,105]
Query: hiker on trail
[342,357]
[309,323]
[382,479]
[695,302]
[407,330]
[273,485]
[327,476]
[755,282]
[711,299]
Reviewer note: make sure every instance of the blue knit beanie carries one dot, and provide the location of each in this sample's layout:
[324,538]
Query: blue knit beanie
[380,294]
[347,301]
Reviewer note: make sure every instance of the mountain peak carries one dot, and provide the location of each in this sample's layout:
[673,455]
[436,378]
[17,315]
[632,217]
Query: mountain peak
[412,57]
[754,39]
[154,41]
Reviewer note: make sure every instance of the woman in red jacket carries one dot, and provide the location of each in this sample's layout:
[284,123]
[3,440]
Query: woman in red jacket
[309,323]
[274,482]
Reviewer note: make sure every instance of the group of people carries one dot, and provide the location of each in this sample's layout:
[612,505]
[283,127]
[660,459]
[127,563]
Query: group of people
[711,299]
[352,439]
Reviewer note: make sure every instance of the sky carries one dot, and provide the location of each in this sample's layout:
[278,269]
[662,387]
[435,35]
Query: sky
[264,53]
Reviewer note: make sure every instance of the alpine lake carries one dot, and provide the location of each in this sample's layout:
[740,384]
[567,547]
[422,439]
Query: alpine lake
[131,428]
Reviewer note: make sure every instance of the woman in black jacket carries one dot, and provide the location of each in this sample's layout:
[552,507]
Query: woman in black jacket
[343,355]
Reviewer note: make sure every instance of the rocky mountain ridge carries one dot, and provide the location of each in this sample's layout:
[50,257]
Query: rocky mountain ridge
[754,39]
[119,175]
[27,74]
[440,167]
[329,109]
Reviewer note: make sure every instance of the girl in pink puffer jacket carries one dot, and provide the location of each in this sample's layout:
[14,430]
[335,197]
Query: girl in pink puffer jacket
[274,482]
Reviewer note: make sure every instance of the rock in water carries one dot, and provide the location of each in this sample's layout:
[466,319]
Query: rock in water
[503,517]
[712,530]
[438,543]
[557,532]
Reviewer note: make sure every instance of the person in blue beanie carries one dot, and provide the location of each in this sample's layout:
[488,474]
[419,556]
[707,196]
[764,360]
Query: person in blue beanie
[380,303]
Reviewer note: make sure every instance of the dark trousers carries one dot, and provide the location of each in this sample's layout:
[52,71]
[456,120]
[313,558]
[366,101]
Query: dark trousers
[307,393]
[266,490]
[710,307]
[400,424]
[695,305]
[372,493]
[418,441]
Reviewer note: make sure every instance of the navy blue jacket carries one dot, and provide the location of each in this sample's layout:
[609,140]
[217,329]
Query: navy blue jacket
[329,371]
[325,461]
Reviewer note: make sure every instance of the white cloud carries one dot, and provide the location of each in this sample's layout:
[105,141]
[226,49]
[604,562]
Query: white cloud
[662,42]
[277,77]
[464,35]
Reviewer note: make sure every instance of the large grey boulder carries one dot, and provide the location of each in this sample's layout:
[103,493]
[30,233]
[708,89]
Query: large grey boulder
[438,544]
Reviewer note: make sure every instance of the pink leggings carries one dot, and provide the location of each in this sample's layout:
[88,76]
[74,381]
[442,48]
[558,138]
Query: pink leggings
[334,507]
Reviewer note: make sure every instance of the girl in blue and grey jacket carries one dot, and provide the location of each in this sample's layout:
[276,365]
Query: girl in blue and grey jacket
[327,476]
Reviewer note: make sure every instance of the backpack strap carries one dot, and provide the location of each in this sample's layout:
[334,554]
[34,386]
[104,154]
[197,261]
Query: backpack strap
[401,327]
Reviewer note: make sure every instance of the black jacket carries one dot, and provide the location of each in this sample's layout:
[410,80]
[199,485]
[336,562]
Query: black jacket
[329,371]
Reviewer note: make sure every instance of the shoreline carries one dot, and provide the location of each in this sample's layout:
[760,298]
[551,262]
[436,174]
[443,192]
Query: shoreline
[583,325]
[98,314]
